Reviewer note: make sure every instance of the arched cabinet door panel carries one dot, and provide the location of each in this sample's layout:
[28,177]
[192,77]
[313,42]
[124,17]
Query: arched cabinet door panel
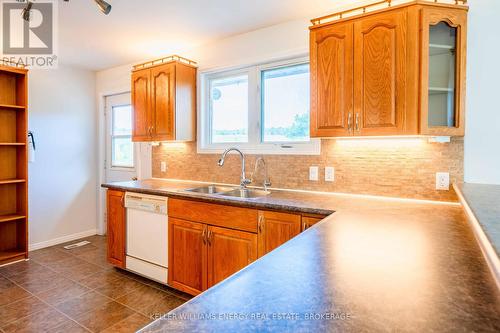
[380,74]
[331,80]
[162,102]
[141,106]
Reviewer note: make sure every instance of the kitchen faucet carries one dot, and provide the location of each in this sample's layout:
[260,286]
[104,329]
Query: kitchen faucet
[244,181]
[267,180]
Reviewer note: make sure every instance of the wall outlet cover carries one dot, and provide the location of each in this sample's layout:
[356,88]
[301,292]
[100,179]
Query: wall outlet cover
[314,173]
[163,166]
[442,181]
[329,174]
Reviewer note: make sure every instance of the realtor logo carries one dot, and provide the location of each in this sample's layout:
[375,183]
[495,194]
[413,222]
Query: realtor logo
[29,39]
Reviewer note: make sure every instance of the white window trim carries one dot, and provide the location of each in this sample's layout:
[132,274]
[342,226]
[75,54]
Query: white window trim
[254,146]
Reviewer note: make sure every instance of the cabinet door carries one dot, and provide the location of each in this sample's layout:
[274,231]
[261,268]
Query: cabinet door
[187,256]
[142,128]
[116,227]
[275,229]
[331,64]
[443,51]
[309,221]
[380,74]
[228,251]
[162,102]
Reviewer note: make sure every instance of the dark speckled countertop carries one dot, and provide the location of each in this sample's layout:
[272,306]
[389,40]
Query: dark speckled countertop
[375,265]
[484,201]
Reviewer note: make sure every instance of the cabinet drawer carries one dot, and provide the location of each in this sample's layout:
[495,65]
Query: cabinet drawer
[219,215]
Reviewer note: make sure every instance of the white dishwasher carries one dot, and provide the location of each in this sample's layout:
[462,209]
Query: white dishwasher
[147,235]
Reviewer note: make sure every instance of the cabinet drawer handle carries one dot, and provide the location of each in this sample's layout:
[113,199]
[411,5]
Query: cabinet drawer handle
[349,122]
[304,225]
[260,223]
[357,122]
[204,235]
[209,237]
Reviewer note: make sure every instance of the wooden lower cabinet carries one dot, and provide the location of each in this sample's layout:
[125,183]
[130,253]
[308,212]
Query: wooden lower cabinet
[228,252]
[275,229]
[187,269]
[116,227]
[208,242]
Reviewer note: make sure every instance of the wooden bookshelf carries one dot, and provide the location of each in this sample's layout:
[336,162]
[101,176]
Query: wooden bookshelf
[13,164]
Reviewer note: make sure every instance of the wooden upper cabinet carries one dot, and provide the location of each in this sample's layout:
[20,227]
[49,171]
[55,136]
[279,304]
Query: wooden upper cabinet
[228,252]
[187,269]
[141,81]
[116,227]
[275,229]
[164,102]
[443,54]
[331,63]
[380,74]
[401,73]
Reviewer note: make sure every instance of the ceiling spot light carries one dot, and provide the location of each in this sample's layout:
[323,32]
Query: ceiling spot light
[103,6]
[26,14]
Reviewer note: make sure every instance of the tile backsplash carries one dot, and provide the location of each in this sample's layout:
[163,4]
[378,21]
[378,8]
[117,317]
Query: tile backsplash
[388,167]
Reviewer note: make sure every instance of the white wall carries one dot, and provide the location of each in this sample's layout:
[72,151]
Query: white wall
[280,41]
[63,178]
[482,135]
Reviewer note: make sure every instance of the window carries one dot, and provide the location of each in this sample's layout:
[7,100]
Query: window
[262,109]
[122,148]
[229,109]
[285,104]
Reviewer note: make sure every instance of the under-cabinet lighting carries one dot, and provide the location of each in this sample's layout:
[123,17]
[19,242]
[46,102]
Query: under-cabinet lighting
[173,144]
[381,142]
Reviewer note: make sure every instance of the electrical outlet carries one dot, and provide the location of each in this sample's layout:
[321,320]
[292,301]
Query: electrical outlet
[163,166]
[329,174]
[442,181]
[314,173]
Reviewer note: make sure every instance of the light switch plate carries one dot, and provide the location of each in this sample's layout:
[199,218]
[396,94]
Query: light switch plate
[442,181]
[329,174]
[314,173]
[163,166]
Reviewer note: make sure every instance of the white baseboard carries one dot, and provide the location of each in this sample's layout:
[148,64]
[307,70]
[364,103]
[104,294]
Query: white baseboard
[63,239]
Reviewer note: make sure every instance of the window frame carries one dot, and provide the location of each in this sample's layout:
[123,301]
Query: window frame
[255,144]
[112,136]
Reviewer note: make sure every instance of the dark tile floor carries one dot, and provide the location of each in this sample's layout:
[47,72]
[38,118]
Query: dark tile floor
[76,290]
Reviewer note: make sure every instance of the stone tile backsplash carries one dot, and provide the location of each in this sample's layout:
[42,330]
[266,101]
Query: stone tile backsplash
[388,167]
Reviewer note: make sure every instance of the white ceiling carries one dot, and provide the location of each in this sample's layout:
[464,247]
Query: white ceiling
[141,29]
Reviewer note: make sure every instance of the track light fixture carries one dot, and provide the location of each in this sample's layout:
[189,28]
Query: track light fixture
[26,14]
[104,7]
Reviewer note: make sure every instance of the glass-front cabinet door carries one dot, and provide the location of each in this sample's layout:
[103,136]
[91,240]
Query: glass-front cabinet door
[443,71]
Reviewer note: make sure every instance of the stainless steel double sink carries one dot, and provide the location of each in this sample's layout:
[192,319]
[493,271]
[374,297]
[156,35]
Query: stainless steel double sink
[228,191]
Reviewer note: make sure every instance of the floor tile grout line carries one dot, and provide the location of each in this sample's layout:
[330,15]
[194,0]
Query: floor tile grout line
[104,268]
[62,313]
[41,300]
[110,300]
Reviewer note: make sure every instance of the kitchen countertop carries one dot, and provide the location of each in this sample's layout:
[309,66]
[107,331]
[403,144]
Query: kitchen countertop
[374,265]
[484,202]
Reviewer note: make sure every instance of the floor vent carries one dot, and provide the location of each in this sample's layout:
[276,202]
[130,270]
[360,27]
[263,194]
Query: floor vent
[72,246]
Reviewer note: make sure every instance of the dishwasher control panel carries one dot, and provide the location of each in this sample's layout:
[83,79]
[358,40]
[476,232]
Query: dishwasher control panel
[148,203]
